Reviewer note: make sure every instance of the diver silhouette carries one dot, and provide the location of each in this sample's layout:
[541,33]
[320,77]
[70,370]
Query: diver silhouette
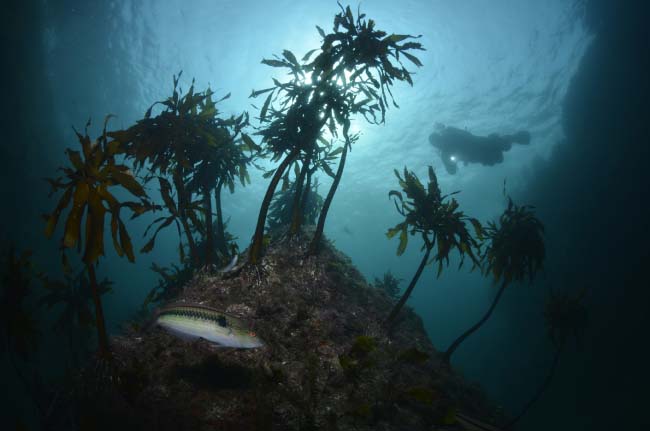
[458,145]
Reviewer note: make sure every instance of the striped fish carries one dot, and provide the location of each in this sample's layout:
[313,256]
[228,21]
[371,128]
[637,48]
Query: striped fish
[193,321]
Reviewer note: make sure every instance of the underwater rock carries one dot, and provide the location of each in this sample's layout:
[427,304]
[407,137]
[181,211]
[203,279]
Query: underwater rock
[327,362]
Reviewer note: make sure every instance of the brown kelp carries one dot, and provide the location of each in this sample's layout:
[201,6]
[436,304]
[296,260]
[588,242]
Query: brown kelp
[515,251]
[389,284]
[281,211]
[191,151]
[85,185]
[75,318]
[350,74]
[19,331]
[439,222]
[170,284]
[565,315]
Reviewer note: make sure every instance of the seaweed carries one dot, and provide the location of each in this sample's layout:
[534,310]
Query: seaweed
[565,315]
[76,318]
[20,332]
[322,96]
[85,185]
[516,246]
[515,251]
[20,335]
[359,357]
[437,219]
[170,284]
[389,284]
[281,210]
[413,355]
[191,151]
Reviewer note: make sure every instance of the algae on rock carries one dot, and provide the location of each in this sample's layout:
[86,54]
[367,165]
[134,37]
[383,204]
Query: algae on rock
[327,363]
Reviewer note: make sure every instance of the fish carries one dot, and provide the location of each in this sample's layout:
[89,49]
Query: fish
[230,266]
[190,322]
[471,424]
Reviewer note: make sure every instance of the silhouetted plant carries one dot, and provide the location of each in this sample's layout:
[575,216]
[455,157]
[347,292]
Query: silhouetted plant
[175,207]
[565,316]
[219,160]
[515,251]
[74,294]
[341,81]
[281,212]
[170,283]
[321,159]
[85,185]
[437,219]
[20,333]
[188,146]
[227,242]
[389,284]
[19,328]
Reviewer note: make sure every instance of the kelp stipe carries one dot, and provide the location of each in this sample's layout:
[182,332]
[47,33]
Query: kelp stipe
[437,219]
[350,74]
[85,185]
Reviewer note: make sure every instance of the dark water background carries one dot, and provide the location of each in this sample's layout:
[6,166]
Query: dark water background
[573,73]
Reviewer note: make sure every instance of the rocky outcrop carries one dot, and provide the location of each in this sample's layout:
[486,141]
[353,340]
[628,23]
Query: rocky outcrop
[327,363]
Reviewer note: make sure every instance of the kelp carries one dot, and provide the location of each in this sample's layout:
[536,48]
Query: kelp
[565,315]
[191,151]
[20,334]
[389,284]
[85,185]
[73,293]
[436,218]
[282,206]
[170,283]
[75,318]
[515,251]
[359,357]
[220,162]
[515,248]
[20,331]
[350,74]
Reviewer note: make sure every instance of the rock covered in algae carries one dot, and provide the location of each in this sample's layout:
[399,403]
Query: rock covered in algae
[327,362]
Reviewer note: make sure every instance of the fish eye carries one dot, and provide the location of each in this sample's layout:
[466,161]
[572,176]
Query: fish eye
[251,333]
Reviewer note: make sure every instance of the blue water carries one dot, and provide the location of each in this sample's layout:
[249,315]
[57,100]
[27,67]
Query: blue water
[497,66]
[490,66]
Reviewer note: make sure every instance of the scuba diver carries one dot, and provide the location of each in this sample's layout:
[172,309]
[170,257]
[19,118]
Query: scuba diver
[458,145]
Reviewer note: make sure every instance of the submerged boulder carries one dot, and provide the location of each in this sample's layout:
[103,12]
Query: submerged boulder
[327,362]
